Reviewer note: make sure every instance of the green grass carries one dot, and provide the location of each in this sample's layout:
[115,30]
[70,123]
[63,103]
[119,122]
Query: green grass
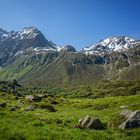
[42,124]
[102,89]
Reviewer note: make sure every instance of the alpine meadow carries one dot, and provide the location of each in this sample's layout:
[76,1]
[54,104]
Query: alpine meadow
[50,91]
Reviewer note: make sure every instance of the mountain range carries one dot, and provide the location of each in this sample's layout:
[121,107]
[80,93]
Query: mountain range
[30,58]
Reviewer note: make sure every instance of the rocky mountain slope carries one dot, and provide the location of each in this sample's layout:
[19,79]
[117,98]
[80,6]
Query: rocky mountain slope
[117,43]
[33,60]
[29,40]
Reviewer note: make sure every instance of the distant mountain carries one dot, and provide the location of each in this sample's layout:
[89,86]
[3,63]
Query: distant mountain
[26,38]
[30,58]
[117,43]
[27,41]
[3,34]
[67,48]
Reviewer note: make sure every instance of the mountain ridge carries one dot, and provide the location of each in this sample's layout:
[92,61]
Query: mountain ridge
[107,44]
[33,60]
[115,43]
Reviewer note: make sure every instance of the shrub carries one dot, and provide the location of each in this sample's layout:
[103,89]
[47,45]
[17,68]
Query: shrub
[49,107]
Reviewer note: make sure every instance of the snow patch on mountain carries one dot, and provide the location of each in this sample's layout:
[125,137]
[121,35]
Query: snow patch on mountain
[34,40]
[40,49]
[67,48]
[59,48]
[3,34]
[118,43]
[19,52]
[26,33]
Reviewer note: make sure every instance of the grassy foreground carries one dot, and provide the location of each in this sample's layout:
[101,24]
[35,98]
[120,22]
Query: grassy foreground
[42,124]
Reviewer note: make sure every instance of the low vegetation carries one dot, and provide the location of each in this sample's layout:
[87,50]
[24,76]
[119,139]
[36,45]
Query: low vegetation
[56,111]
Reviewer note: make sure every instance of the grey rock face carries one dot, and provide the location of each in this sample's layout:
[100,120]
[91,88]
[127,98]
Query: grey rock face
[15,108]
[126,113]
[89,122]
[29,108]
[133,121]
[33,98]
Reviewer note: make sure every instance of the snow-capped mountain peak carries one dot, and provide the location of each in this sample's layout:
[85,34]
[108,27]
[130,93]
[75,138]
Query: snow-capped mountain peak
[117,43]
[3,33]
[66,48]
[30,40]
[27,33]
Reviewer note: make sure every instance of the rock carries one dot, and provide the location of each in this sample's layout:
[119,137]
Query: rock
[123,107]
[77,126]
[29,108]
[126,113]
[133,121]
[33,98]
[42,96]
[84,122]
[29,97]
[89,123]
[15,108]
[95,123]
[2,105]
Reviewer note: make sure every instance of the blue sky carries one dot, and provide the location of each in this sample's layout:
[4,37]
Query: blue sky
[76,22]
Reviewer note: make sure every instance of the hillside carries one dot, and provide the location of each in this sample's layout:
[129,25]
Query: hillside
[32,60]
[73,69]
[53,117]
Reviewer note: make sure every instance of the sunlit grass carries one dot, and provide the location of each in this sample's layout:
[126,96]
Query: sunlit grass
[42,124]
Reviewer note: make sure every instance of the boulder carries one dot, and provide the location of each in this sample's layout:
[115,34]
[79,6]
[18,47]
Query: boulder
[124,107]
[42,95]
[29,108]
[29,97]
[15,108]
[33,98]
[133,120]
[2,105]
[89,122]
[126,113]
